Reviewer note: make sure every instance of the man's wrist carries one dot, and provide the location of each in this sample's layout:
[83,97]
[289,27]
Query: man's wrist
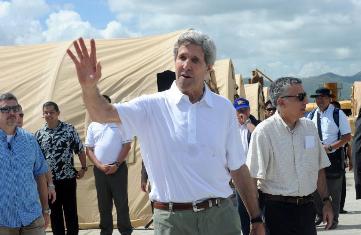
[51,186]
[47,211]
[257,219]
[84,168]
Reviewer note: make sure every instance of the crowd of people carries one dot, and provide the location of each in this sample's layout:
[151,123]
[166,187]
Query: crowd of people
[286,169]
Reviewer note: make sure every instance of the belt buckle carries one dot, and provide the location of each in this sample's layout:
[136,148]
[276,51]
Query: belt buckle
[297,201]
[195,208]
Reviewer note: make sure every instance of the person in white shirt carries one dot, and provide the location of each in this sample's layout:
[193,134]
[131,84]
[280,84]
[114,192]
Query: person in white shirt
[246,124]
[107,146]
[334,134]
[189,142]
[288,160]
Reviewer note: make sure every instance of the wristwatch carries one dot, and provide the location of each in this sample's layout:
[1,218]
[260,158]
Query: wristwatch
[257,219]
[325,199]
[117,164]
[84,168]
[47,211]
[329,148]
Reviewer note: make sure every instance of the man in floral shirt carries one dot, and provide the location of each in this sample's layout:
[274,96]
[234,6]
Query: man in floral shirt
[58,141]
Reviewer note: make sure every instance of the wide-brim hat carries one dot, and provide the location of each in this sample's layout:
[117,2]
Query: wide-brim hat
[322,92]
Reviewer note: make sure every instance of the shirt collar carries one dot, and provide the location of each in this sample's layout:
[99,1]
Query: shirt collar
[329,108]
[56,128]
[3,133]
[278,117]
[177,96]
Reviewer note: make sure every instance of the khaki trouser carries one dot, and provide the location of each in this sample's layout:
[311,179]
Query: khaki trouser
[217,220]
[35,228]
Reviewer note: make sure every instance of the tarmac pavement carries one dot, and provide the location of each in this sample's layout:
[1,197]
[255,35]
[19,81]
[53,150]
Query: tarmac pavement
[349,224]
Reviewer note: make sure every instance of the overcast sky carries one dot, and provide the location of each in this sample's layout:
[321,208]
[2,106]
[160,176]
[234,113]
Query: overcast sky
[280,37]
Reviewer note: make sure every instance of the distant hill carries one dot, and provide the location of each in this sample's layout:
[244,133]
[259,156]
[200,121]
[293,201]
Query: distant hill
[343,82]
[312,83]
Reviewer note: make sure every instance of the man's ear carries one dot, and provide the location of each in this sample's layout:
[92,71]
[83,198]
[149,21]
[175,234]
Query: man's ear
[280,102]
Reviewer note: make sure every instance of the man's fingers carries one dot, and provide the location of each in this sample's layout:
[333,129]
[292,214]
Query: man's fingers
[78,51]
[72,57]
[93,53]
[83,48]
[98,72]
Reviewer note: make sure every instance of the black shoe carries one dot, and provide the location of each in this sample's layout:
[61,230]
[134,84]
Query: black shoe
[343,211]
[318,221]
[334,225]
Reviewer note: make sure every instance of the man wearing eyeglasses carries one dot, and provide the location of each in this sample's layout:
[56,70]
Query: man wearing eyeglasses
[334,132]
[288,160]
[22,176]
[269,109]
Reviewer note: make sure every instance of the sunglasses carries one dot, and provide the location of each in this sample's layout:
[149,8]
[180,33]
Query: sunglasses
[270,109]
[300,96]
[21,115]
[8,109]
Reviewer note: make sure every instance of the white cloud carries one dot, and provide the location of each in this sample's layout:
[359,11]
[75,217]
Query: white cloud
[314,68]
[342,53]
[115,29]
[19,21]
[67,25]
[301,37]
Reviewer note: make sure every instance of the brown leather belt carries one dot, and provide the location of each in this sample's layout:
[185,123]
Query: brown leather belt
[289,199]
[196,207]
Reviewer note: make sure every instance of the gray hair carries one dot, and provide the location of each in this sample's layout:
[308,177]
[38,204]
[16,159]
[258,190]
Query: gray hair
[280,86]
[8,96]
[200,39]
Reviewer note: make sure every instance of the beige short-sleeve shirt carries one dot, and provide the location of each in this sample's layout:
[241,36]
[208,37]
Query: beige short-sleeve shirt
[285,161]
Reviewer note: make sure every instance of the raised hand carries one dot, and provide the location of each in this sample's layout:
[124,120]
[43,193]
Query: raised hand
[87,67]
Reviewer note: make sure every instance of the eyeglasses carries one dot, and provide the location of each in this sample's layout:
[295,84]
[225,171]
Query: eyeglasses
[270,109]
[8,109]
[300,96]
[21,115]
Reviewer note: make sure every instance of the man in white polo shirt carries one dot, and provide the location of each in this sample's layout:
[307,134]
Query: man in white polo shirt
[107,146]
[288,160]
[189,142]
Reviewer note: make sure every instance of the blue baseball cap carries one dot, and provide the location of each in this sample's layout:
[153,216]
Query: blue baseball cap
[241,103]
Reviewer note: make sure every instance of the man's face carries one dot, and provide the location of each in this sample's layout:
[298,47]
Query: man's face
[191,68]
[291,104]
[20,119]
[269,110]
[323,101]
[243,114]
[50,115]
[8,113]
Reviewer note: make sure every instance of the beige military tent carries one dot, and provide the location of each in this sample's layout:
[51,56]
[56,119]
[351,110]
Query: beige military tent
[240,85]
[254,93]
[39,73]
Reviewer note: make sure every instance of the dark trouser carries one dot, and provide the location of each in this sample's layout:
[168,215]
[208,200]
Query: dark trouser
[334,186]
[243,214]
[343,192]
[109,188]
[289,219]
[65,201]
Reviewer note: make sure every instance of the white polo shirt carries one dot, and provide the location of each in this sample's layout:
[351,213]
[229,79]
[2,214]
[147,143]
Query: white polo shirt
[107,140]
[328,125]
[188,149]
[243,131]
[285,161]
